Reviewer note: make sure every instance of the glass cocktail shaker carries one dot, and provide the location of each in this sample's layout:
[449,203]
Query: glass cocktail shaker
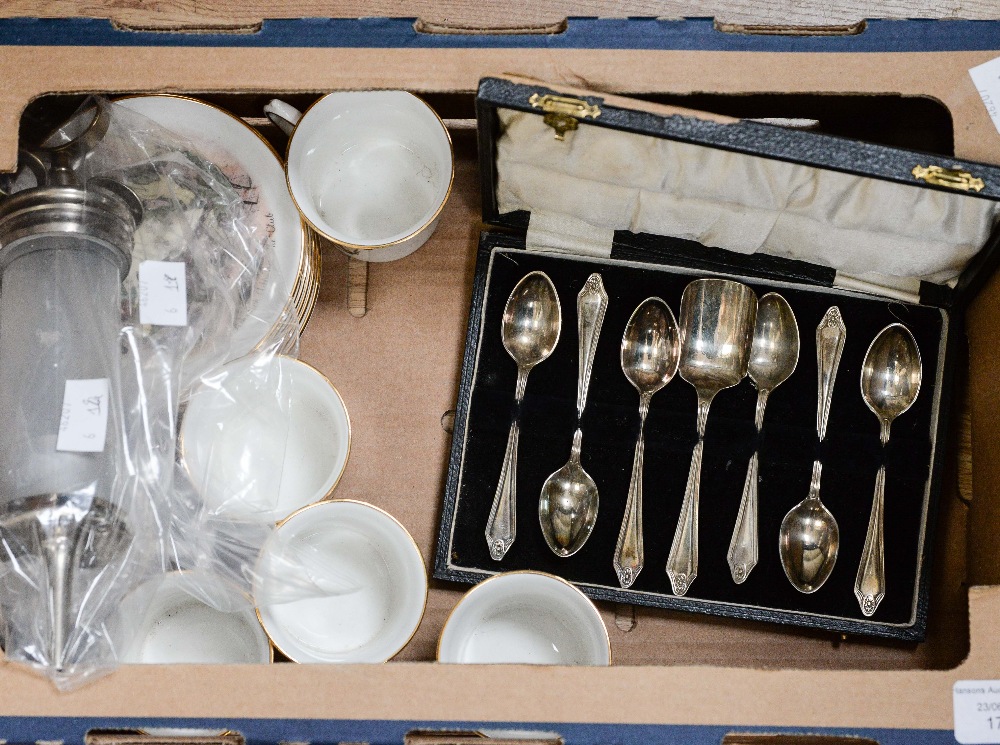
[64,250]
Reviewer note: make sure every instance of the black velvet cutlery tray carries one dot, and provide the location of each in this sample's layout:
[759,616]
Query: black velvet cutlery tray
[851,453]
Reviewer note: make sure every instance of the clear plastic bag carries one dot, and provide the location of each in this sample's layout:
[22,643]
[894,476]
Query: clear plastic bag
[86,522]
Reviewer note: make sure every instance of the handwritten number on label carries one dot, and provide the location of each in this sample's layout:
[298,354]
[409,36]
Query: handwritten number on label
[83,420]
[92,405]
[163,293]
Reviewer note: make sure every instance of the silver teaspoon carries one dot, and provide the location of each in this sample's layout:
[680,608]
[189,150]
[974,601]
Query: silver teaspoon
[809,538]
[567,507]
[890,382]
[649,353]
[530,329]
[774,354]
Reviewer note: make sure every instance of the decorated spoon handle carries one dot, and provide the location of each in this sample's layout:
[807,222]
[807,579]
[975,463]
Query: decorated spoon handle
[682,563]
[743,550]
[830,337]
[869,587]
[629,553]
[591,305]
[501,529]
[502,526]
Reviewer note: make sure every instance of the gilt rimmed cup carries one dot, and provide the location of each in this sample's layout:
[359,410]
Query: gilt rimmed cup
[525,617]
[340,581]
[370,171]
[192,618]
[264,437]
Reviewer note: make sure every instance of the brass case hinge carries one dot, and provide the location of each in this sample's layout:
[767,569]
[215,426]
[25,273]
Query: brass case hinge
[562,112]
[948,177]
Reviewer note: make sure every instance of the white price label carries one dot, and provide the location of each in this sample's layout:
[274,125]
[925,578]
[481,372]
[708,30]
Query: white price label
[83,426]
[977,711]
[986,78]
[163,293]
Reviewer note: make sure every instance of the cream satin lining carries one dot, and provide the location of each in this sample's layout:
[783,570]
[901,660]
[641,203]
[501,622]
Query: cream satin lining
[614,180]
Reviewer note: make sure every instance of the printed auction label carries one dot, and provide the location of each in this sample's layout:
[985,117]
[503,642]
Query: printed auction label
[977,711]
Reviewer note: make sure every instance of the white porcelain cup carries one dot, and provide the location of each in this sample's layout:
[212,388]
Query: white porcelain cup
[340,581]
[264,437]
[525,618]
[369,170]
[168,623]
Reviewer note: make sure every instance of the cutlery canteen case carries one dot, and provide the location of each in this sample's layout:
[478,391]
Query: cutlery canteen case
[653,197]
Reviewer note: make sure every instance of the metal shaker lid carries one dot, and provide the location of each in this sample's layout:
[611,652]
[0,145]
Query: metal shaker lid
[104,211]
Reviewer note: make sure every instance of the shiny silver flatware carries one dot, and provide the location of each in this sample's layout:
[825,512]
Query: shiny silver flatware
[716,324]
[650,352]
[530,329]
[890,381]
[774,354]
[809,538]
[567,507]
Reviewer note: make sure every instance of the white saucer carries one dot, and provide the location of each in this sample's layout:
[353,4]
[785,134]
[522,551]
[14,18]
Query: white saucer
[257,174]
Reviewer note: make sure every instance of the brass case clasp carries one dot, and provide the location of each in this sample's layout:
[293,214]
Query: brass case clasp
[948,177]
[563,112]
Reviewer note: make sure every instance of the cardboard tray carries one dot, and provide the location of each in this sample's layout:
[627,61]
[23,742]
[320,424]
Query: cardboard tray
[677,677]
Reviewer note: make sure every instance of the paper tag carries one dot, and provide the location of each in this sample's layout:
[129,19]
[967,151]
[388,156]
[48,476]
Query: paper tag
[986,78]
[83,426]
[163,293]
[977,711]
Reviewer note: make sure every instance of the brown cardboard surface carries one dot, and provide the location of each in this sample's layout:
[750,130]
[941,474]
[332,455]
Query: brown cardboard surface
[397,370]
[984,367]
[940,75]
[696,694]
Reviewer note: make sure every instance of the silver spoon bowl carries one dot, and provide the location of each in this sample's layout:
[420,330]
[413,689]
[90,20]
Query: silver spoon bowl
[568,504]
[774,353]
[531,321]
[891,375]
[809,539]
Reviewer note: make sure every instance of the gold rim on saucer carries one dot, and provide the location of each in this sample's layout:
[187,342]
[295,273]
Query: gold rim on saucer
[305,249]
